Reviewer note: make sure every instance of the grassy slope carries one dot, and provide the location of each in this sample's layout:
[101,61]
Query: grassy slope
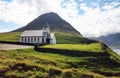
[28,63]
[61,37]
[11,36]
[93,47]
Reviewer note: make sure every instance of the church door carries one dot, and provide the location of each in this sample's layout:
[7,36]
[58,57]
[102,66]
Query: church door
[48,41]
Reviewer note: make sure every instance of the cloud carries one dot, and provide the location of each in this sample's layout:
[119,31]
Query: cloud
[93,21]
[24,11]
[98,21]
[17,12]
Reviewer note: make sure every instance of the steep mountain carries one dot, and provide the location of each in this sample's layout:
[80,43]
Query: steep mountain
[111,39]
[55,22]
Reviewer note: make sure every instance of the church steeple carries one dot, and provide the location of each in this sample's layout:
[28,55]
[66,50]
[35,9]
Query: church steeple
[48,27]
[46,31]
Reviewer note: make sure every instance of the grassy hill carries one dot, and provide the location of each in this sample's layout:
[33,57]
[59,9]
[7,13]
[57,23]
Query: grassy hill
[28,63]
[93,47]
[10,36]
[61,37]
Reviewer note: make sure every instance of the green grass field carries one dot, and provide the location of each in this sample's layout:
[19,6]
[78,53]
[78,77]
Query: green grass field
[28,63]
[62,38]
[10,36]
[93,47]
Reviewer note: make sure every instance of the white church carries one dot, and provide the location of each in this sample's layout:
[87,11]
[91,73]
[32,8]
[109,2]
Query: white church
[38,36]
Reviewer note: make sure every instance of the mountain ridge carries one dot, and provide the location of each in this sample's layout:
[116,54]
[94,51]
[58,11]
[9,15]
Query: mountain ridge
[112,40]
[55,22]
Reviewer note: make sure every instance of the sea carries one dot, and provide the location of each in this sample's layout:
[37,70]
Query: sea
[116,50]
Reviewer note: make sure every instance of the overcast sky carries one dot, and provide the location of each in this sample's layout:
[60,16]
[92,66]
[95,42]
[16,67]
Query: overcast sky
[91,18]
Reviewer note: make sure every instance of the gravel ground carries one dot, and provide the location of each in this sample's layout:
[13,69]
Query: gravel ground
[13,46]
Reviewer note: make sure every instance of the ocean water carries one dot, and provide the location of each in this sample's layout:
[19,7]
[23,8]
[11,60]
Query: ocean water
[116,50]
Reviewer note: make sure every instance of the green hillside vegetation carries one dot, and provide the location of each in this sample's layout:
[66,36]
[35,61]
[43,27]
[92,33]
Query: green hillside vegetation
[28,63]
[10,36]
[63,38]
[93,47]
[113,55]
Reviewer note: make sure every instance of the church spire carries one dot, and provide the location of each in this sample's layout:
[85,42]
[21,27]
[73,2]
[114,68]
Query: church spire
[48,27]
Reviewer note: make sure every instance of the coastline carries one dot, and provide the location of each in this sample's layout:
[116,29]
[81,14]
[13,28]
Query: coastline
[116,50]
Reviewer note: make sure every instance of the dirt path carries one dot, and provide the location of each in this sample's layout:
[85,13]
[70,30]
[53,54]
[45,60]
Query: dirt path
[13,46]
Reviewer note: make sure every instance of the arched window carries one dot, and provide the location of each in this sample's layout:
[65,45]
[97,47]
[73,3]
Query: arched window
[28,39]
[25,39]
[35,39]
[21,39]
[42,39]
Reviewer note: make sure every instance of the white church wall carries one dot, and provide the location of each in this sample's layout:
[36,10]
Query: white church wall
[29,39]
[22,39]
[40,40]
[26,40]
[53,40]
[32,40]
[44,40]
